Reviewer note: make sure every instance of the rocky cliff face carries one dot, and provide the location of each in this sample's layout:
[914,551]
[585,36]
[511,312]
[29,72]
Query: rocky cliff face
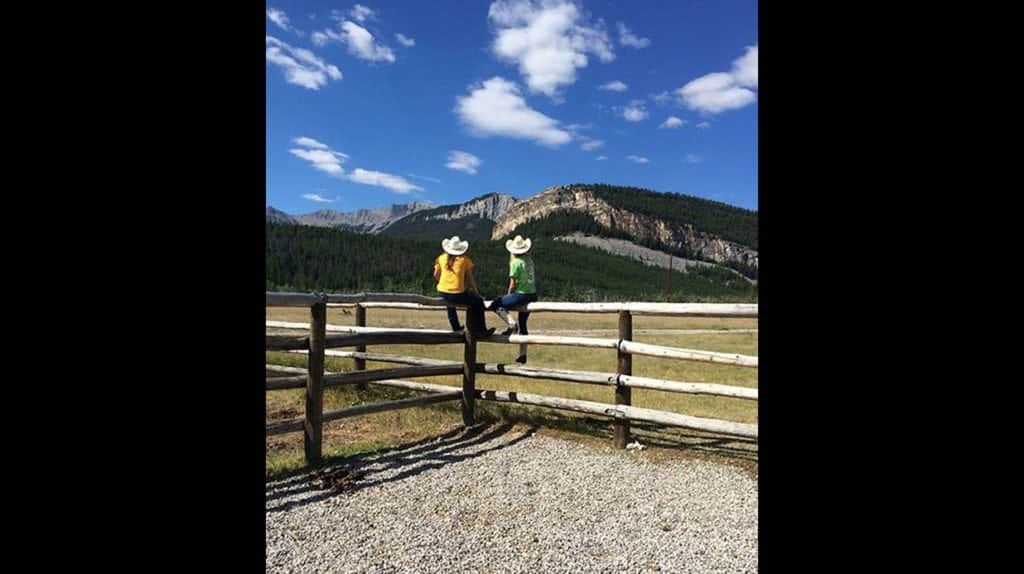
[639,227]
[491,206]
[362,220]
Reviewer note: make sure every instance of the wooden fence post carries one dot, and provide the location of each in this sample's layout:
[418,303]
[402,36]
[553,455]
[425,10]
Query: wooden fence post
[360,363]
[623,394]
[469,378]
[314,383]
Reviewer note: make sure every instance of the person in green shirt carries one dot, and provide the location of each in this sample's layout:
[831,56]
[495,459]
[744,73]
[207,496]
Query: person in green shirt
[522,287]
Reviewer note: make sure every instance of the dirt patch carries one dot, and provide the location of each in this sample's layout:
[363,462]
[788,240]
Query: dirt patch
[340,478]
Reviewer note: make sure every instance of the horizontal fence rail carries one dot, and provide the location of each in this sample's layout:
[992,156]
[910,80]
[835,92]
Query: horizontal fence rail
[688,388]
[393,338]
[355,377]
[286,342]
[687,354]
[318,344]
[351,329]
[408,300]
[516,370]
[452,395]
[624,412]
[726,310]
[380,374]
[387,336]
[293,299]
[383,357]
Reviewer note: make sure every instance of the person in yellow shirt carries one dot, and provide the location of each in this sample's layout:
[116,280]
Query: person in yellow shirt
[453,271]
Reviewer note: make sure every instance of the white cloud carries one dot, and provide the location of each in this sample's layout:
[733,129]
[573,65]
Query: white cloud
[602,157]
[323,158]
[744,69]
[627,38]
[715,93]
[301,67]
[309,142]
[722,91]
[637,159]
[361,13]
[403,40]
[615,86]
[635,111]
[278,17]
[703,125]
[496,108]
[591,144]
[548,39]
[319,38]
[463,161]
[361,44]
[316,197]
[395,183]
[320,156]
[692,158]
[672,122]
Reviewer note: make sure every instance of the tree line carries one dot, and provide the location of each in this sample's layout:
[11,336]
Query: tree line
[304,258]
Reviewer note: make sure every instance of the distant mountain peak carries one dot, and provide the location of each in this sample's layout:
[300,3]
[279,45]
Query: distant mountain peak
[360,220]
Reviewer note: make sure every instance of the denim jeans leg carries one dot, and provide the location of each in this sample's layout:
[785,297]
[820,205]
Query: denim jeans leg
[453,315]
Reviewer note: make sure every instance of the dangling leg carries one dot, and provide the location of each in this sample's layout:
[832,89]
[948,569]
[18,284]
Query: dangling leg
[523,316]
[475,319]
[499,307]
[453,315]
[501,312]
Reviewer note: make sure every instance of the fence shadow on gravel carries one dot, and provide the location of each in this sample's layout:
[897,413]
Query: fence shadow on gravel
[342,475]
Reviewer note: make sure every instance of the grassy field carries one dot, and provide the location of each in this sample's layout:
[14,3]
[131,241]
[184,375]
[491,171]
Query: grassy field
[370,432]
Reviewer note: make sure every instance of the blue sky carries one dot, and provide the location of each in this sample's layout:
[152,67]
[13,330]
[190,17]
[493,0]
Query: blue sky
[383,102]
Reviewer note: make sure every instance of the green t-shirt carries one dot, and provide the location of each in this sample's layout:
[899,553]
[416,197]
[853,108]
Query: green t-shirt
[521,270]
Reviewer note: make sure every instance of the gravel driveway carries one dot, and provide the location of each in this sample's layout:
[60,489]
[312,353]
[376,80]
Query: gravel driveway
[498,499]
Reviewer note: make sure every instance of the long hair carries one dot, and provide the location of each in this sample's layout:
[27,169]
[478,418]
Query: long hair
[451,261]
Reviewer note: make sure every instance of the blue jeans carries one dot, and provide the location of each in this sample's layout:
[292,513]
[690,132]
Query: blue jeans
[515,300]
[474,314]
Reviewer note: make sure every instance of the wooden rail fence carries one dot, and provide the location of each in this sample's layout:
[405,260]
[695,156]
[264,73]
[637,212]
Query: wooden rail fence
[318,344]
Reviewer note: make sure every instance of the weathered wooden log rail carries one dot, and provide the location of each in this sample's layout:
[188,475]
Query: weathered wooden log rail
[318,344]
[383,336]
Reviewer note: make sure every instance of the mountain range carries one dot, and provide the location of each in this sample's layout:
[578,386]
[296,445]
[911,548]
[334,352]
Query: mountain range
[642,222]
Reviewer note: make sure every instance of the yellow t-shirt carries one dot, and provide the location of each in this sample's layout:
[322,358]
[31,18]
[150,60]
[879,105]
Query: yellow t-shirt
[453,281]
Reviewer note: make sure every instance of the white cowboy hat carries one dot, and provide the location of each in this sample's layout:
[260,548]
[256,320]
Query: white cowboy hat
[518,246]
[454,246]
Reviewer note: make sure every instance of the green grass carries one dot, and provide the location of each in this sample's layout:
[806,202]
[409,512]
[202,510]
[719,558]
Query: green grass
[380,430]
